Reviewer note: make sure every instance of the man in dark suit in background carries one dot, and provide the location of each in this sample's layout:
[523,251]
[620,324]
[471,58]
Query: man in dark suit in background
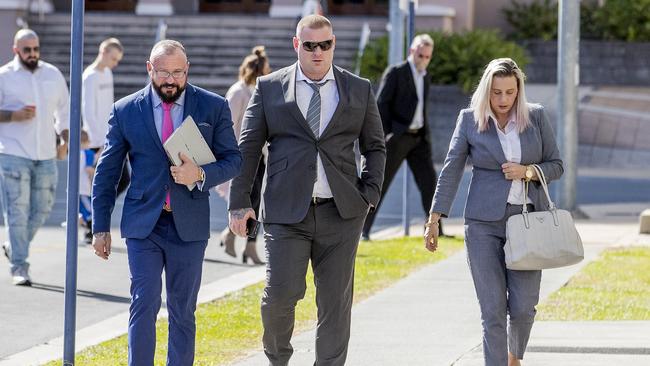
[166,225]
[314,203]
[402,104]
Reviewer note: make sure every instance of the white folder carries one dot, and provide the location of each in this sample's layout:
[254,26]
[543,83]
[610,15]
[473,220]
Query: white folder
[188,139]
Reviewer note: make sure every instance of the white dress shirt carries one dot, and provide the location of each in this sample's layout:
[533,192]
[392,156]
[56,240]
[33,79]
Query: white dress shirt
[511,145]
[97,103]
[418,79]
[45,89]
[329,95]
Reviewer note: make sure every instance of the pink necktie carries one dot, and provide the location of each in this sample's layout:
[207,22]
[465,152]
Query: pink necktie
[167,129]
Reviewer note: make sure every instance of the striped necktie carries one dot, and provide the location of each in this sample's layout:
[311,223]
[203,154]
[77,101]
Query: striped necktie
[313,111]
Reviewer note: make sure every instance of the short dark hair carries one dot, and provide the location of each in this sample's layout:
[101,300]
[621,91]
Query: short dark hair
[313,22]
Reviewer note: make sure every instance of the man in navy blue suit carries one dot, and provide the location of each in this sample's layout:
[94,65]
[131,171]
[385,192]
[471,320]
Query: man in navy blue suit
[165,224]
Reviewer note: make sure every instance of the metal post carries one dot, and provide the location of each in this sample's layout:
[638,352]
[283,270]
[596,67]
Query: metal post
[567,84]
[406,187]
[76,63]
[396,34]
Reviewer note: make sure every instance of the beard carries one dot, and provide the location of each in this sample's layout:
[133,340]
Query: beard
[166,97]
[30,63]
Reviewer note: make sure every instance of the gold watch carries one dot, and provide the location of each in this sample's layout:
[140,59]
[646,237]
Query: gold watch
[201,175]
[529,173]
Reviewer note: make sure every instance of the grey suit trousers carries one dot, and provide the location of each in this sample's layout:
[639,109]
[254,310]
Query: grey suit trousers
[507,298]
[330,242]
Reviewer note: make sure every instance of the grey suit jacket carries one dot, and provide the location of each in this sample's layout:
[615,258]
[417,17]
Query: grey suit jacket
[273,116]
[488,190]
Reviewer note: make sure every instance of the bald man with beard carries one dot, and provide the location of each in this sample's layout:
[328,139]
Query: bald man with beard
[166,226]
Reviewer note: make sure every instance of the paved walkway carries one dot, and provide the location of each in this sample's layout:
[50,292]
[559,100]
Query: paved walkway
[429,318]
[432,318]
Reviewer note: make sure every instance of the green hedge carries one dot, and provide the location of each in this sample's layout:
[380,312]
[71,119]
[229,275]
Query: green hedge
[458,58]
[626,20]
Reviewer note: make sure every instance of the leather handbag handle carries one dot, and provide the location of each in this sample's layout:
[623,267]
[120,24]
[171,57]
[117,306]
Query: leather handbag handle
[542,179]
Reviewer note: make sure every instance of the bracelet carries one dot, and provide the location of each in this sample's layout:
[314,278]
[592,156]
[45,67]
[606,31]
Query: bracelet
[431,223]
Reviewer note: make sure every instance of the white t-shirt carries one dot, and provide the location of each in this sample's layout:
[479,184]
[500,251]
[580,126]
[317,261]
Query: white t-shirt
[45,88]
[96,103]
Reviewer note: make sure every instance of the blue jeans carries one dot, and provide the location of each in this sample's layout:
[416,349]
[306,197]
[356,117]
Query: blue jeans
[27,188]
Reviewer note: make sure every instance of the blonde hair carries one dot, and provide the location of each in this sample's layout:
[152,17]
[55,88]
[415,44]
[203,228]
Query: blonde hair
[313,22]
[500,67]
[111,43]
[254,66]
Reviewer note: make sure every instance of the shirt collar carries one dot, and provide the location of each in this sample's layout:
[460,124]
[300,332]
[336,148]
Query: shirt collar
[301,77]
[510,126]
[156,101]
[413,69]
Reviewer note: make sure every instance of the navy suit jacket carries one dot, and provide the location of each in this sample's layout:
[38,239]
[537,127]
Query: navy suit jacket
[132,132]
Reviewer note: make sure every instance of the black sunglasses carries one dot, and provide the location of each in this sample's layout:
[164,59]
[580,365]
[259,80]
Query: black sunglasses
[310,46]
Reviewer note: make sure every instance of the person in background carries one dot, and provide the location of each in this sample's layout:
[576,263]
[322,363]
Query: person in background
[402,101]
[254,65]
[96,103]
[33,114]
[502,135]
[86,172]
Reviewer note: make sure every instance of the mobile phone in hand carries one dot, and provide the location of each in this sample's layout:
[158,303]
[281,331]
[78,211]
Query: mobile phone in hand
[252,226]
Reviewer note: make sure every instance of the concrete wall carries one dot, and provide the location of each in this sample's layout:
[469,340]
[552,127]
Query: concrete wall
[489,14]
[463,17]
[601,62]
[8,29]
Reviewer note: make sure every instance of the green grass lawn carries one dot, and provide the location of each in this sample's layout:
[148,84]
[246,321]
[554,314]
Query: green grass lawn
[230,327]
[614,287]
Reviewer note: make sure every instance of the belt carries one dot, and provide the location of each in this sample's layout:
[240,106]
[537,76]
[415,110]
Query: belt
[414,131]
[319,200]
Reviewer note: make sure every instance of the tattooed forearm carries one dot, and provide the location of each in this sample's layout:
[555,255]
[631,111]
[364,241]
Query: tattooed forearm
[239,213]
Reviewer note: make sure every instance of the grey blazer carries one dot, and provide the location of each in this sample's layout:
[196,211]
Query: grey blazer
[273,116]
[488,190]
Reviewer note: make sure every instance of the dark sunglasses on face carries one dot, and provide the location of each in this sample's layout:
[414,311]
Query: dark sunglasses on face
[310,46]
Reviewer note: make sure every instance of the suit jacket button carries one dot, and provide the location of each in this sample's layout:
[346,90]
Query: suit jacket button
[166,187]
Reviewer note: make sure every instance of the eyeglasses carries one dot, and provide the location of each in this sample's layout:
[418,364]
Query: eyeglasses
[30,49]
[162,74]
[310,46]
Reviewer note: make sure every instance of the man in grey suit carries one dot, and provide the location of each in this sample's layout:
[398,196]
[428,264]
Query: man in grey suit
[314,201]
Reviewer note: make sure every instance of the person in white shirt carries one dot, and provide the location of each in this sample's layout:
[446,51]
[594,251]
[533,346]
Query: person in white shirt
[96,104]
[33,111]
[402,101]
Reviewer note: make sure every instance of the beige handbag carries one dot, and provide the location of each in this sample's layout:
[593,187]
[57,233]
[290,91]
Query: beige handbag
[542,239]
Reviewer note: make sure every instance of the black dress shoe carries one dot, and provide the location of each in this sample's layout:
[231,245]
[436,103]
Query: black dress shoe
[365,237]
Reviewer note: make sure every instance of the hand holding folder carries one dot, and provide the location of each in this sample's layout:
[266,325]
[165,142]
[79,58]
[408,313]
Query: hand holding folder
[188,139]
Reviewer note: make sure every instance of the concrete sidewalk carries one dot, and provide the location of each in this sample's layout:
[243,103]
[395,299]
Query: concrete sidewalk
[432,317]
[429,318]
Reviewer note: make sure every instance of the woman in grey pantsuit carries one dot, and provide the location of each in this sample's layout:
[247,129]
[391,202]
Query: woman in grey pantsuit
[502,135]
